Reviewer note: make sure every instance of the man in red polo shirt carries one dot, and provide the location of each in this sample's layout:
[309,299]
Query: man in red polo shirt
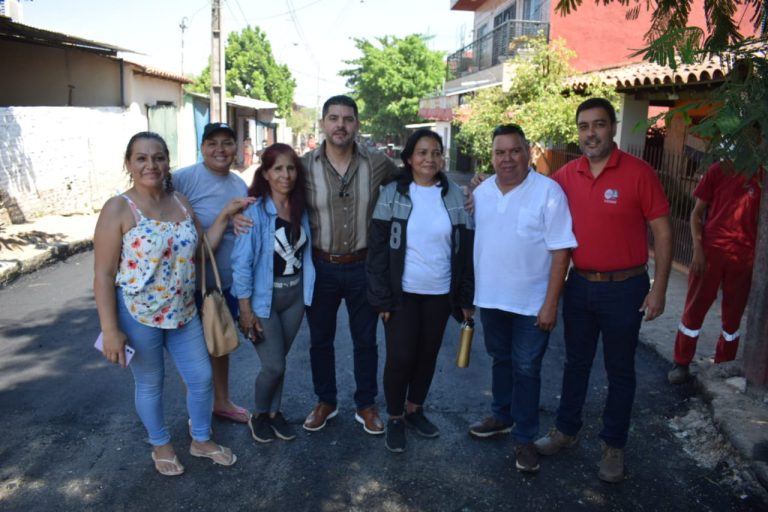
[613,197]
[723,253]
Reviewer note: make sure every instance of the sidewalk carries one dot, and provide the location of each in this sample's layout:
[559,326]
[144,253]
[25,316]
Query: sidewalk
[27,247]
[741,417]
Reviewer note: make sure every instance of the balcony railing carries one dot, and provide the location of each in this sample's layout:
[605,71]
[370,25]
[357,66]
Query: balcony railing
[493,48]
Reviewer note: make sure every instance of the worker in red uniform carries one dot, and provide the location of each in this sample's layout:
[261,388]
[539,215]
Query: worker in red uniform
[724,229]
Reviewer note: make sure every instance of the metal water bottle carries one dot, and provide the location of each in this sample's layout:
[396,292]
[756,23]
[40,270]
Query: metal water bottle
[465,343]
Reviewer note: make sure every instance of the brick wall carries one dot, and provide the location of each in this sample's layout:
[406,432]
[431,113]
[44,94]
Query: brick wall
[62,160]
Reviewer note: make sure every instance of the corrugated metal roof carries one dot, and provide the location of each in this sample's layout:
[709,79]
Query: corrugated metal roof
[239,101]
[19,32]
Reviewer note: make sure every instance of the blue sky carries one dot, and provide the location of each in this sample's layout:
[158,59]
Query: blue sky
[313,37]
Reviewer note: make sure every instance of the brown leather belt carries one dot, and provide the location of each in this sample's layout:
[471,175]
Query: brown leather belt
[352,257]
[613,276]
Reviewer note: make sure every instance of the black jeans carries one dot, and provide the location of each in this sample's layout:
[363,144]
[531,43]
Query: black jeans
[414,335]
[334,282]
[610,311]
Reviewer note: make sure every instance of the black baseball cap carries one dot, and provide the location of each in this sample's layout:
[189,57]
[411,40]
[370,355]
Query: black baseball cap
[212,128]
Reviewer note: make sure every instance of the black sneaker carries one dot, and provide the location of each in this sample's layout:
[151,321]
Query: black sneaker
[488,427]
[281,427]
[260,427]
[417,421]
[527,458]
[394,439]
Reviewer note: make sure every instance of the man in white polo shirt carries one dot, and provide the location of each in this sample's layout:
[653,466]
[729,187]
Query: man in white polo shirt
[522,248]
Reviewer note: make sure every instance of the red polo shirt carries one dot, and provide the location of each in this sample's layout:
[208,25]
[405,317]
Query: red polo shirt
[733,204]
[610,212]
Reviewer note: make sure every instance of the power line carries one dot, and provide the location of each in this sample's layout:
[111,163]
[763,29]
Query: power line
[299,30]
[296,9]
[245,18]
[229,7]
[342,12]
[206,4]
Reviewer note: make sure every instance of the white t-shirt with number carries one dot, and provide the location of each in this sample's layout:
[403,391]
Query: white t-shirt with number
[428,243]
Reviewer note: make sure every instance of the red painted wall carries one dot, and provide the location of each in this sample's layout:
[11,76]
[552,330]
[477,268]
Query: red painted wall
[602,37]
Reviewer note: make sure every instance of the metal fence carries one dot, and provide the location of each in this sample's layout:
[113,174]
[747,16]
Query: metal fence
[678,174]
[493,48]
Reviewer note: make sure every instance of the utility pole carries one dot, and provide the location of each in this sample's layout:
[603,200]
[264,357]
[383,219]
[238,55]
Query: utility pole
[183,26]
[218,93]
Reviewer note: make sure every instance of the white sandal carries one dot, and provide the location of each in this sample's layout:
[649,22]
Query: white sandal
[223,456]
[177,470]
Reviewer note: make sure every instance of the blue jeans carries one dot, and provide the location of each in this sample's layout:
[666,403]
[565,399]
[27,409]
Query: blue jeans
[187,348]
[610,309]
[334,282]
[517,347]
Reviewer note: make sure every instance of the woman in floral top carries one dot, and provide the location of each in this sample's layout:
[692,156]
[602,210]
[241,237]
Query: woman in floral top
[145,245]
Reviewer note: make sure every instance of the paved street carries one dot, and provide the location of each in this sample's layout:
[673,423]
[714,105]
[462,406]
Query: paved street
[72,440]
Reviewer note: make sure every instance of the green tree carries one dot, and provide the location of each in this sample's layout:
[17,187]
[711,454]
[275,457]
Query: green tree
[389,78]
[736,125]
[252,71]
[302,120]
[537,100]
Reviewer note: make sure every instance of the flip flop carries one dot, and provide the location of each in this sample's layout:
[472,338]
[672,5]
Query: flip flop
[223,456]
[177,470]
[239,415]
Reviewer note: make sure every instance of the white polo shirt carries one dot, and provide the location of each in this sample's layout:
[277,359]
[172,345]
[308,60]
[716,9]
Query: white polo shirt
[514,234]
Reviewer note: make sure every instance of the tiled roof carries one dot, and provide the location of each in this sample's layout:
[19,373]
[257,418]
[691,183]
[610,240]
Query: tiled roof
[646,74]
[160,73]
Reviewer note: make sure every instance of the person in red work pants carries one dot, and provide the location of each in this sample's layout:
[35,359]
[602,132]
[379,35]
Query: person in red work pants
[723,254]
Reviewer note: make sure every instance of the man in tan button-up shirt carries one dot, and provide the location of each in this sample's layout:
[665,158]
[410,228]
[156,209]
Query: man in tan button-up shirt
[343,179]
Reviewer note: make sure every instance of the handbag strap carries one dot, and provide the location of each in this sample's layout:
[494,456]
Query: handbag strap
[214,266]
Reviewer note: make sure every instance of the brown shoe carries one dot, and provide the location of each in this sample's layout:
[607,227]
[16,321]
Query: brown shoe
[611,465]
[320,416]
[555,441]
[527,458]
[370,420]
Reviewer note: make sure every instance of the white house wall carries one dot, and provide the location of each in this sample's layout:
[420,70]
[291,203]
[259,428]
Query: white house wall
[145,90]
[631,112]
[142,91]
[62,160]
[187,137]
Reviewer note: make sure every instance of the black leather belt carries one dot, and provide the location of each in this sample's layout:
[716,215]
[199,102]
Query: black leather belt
[352,257]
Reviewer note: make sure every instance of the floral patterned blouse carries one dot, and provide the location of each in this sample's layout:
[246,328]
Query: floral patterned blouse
[157,269]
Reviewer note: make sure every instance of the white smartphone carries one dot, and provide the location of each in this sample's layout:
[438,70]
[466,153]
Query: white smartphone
[129,350]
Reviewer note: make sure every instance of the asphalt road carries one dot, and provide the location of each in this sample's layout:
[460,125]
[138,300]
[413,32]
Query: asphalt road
[72,441]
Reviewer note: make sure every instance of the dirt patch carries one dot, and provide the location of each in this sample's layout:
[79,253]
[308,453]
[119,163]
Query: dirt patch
[701,440]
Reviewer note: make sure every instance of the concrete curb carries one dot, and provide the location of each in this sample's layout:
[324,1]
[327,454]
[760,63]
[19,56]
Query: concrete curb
[738,416]
[735,415]
[49,256]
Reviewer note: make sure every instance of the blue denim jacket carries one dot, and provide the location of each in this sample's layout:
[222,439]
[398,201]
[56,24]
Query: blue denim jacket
[253,259]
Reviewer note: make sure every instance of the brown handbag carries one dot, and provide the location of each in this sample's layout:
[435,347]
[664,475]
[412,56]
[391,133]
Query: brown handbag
[219,327]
